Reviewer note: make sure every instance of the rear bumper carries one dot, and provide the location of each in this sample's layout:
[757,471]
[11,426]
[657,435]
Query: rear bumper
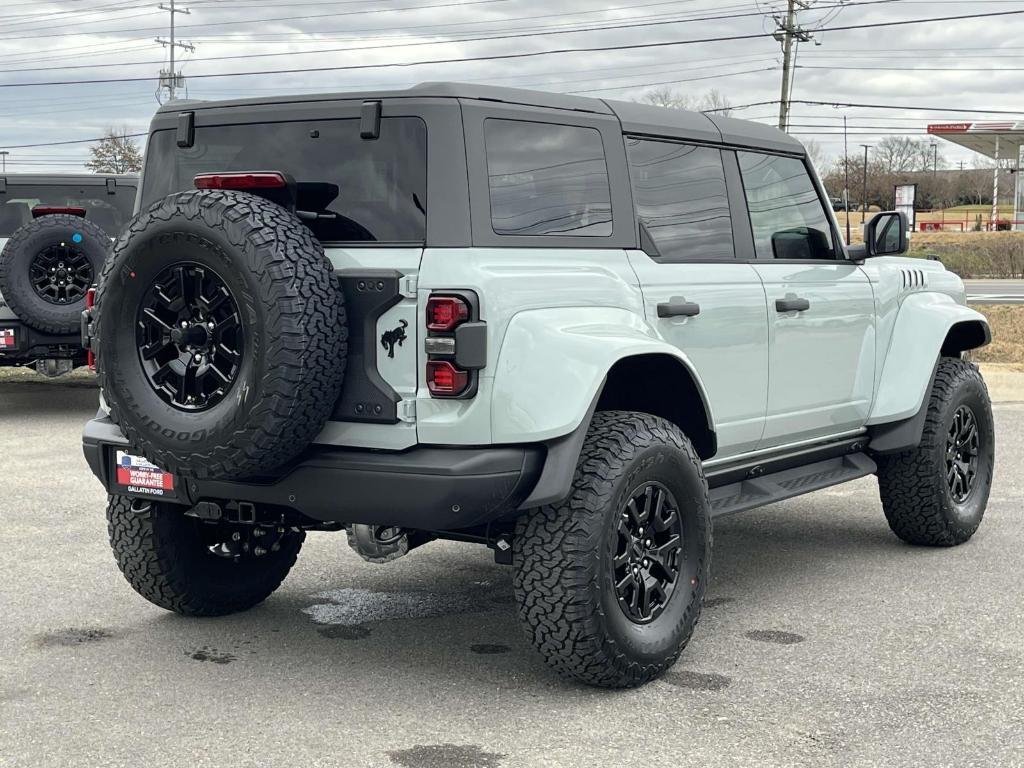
[30,344]
[428,488]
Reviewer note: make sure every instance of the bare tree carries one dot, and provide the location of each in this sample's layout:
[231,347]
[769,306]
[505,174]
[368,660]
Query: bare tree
[816,153]
[115,153]
[713,100]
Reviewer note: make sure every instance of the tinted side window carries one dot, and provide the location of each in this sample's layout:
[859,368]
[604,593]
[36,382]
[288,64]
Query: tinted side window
[547,179]
[110,211]
[786,214]
[681,199]
[363,191]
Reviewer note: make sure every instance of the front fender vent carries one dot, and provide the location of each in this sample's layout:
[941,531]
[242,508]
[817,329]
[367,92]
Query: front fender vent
[914,279]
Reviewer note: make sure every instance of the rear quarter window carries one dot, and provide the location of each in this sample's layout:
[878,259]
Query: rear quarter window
[547,179]
[362,190]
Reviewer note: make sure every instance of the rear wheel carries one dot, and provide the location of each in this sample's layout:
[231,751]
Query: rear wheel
[610,582]
[936,494]
[193,567]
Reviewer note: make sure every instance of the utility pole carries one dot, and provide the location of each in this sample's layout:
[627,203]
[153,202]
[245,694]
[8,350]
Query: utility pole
[3,156]
[171,79]
[864,197]
[787,32]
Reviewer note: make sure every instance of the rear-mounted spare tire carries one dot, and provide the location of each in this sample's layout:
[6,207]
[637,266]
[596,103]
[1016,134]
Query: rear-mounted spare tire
[221,335]
[46,268]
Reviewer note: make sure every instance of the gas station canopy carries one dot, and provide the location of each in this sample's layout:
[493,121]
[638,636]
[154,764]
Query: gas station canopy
[1001,141]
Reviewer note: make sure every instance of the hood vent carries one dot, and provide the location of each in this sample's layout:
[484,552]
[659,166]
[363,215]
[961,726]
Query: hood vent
[914,279]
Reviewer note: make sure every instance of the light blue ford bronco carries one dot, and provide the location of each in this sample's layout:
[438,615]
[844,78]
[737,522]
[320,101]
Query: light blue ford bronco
[572,330]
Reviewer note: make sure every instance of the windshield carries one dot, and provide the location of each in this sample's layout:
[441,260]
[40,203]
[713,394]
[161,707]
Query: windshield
[110,211]
[362,190]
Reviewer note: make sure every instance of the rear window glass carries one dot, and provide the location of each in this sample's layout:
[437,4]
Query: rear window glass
[547,179]
[110,211]
[363,190]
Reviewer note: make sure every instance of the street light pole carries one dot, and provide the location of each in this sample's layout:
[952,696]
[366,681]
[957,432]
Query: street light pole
[846,167]
[864,198]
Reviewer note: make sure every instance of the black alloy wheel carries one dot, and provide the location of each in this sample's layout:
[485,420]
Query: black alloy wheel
[189,336]
[646,549]
[61,274]
[962,449]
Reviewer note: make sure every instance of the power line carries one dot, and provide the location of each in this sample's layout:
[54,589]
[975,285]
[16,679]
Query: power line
[234,22]
[870,106]
[507,56]
[538,32]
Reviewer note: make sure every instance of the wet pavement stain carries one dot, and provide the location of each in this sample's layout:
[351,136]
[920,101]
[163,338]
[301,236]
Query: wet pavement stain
[714,602]
[73,637]
[210,654]
[361,606]
[445,756]
[698,681]
[487,649]
[344,631]
[774,636]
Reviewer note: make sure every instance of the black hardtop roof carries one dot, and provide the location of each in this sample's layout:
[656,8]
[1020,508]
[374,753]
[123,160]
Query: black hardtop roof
[635,118]
[67,178]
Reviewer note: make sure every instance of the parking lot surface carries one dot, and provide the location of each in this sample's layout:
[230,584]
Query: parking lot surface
[824,641]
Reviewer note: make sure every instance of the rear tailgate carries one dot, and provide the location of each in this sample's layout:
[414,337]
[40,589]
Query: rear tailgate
[377,404]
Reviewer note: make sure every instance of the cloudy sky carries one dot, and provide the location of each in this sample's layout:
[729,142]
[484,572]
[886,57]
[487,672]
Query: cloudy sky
[50,46]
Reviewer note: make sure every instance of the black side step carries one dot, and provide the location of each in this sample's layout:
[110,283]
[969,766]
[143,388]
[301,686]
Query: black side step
[748,494]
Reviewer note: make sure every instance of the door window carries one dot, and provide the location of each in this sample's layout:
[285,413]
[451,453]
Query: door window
[681,199]
[786,213]
[547,179]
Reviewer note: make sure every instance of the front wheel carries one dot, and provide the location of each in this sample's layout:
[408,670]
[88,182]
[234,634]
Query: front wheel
[193,567]
[609,582]
[936,494]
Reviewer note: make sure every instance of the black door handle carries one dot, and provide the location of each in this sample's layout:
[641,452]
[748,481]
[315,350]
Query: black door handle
[678,309]
[792,304]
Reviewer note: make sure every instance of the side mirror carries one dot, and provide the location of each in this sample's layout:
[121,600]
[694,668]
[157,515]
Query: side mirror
[886,234]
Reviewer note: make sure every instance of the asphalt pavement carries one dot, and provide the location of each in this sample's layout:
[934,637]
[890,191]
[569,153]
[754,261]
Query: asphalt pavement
[824,642]
[995,291]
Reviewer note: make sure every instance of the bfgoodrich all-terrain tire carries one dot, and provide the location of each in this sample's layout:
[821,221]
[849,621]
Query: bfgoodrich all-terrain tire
[936,494]
[222,336]
[46,268]
[171,559]
[610,582]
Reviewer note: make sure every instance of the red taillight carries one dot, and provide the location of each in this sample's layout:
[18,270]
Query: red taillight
[90,298]
[444,313]
[445,379]
[51,210]
[240,181]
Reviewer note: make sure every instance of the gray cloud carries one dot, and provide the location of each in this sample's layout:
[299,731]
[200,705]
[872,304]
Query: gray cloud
[56,33]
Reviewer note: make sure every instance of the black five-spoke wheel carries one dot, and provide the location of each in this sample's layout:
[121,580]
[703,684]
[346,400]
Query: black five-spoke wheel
[189,337]
[61,274]
[647,545]
[962,448]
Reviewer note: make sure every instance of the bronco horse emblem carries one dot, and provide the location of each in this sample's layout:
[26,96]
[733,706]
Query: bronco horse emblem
[389,339]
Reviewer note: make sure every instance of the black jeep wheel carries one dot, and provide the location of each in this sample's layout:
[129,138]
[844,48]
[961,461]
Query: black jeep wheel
[46,268]
[936,494]
[222,337]
[610,582]
[193,567]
